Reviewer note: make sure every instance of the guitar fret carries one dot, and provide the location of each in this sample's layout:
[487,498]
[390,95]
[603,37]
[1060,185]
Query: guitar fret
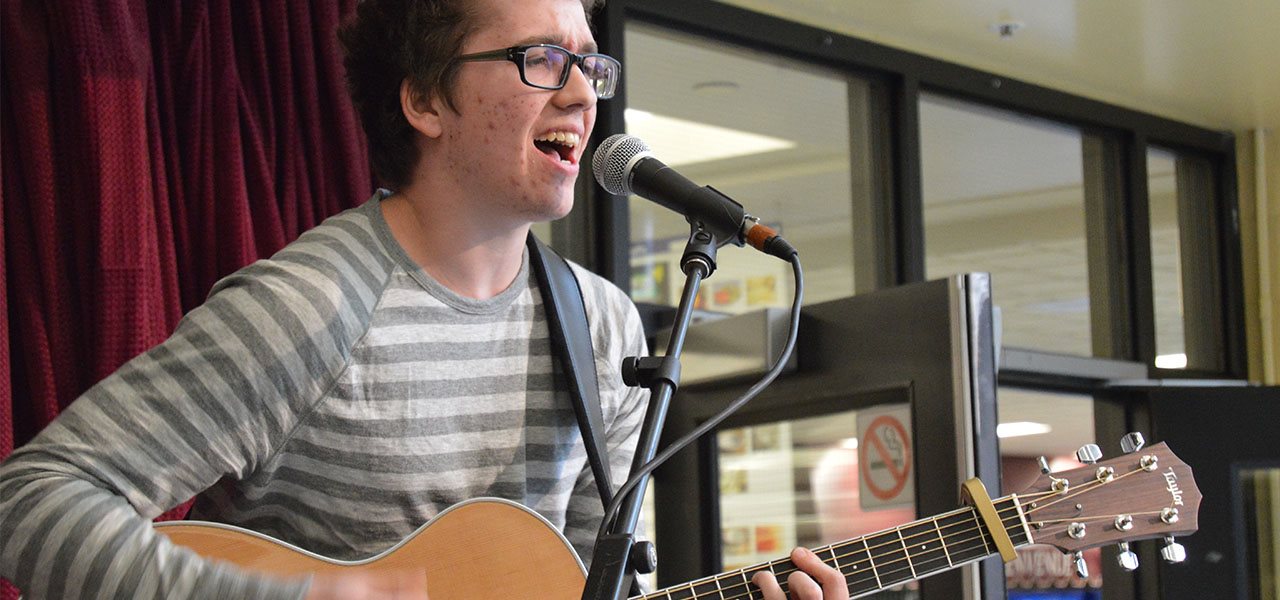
[974,513]
[926,546]
[870,559]
[906,552]
[891,558]
[682,592]
[835,560]
[943,542]
[746,584]
[705,589]
[968,541]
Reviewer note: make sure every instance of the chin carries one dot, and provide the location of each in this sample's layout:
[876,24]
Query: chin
[558,208]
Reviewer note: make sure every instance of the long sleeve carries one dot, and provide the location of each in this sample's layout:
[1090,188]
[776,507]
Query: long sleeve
[213,401]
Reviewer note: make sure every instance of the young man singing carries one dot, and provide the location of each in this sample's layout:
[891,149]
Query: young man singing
[390,363]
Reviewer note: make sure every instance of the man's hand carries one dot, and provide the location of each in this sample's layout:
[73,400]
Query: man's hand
[814,581]
[366,585]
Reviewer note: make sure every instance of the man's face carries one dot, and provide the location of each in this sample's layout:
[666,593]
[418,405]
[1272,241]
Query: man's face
[489,142]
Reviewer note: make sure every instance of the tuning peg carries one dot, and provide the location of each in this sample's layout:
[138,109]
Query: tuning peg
[1044,464]
[1127,559]
[1173,552]
[1089,453]
[1082,568]
[1132,442]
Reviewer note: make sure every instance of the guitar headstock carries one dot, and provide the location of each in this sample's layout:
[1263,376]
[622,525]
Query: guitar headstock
[1148,493]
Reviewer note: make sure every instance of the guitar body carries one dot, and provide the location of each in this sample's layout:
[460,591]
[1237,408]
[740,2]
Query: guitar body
[484,549]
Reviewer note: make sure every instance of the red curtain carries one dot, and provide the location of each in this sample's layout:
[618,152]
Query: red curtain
[146,150]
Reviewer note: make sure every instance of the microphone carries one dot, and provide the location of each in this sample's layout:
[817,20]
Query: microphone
[624,165]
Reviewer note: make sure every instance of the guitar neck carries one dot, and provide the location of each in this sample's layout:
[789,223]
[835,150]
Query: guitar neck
[878,560]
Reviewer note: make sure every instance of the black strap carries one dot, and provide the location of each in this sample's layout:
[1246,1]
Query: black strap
[571,339]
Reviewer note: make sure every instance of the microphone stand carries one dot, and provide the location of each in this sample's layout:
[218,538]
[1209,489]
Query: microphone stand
[616,556]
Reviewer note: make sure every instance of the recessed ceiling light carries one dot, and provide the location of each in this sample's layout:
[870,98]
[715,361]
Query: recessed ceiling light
[1021,428]
[682,142]
[1171,361]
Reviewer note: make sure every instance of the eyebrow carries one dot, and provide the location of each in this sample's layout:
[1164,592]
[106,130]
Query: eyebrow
[588,48]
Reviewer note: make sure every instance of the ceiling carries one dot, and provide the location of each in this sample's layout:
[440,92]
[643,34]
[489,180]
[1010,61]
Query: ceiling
[1212,64]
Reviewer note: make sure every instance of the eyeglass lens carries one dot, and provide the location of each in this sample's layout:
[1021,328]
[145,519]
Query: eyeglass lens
[548,67]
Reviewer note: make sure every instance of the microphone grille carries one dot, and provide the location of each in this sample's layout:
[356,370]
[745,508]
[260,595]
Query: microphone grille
[611,159]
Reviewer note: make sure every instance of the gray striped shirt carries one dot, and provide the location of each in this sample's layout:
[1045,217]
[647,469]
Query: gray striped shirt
[333,396]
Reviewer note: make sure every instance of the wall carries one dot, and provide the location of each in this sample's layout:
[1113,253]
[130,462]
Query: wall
[1258,160]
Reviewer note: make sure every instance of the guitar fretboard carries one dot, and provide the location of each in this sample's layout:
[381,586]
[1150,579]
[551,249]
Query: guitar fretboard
[878,560]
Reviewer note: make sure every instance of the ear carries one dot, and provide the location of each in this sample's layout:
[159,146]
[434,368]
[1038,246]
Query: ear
[422,113]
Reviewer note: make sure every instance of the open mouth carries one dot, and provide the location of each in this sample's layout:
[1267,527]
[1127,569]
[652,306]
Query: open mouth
[558,145]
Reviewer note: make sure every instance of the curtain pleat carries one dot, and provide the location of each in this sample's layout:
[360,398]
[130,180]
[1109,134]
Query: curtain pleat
[147,150]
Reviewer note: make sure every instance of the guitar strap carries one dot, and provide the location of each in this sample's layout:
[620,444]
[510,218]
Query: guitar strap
[571,340]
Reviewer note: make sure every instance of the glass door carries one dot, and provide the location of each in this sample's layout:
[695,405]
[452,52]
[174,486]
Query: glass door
[891,406]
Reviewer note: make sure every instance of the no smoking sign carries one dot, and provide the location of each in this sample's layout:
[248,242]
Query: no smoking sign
[886,473]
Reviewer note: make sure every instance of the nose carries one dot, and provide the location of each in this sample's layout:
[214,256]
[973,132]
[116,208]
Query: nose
[577,91]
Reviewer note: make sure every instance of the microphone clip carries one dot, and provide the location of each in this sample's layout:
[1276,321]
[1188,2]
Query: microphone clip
[700,251]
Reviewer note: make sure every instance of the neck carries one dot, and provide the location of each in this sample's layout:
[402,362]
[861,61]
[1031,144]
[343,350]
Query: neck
[879,560]
[473,256]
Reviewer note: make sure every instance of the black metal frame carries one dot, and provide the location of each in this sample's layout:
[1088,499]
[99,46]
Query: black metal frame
[903,76]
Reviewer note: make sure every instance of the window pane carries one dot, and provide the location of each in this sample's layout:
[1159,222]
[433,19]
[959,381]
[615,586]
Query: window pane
[1184,261]
[1166,261]
[1053,425]
[773,134]
[1003,193]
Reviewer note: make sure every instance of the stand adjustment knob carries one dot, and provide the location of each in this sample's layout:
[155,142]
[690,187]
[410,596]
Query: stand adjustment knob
[644,557]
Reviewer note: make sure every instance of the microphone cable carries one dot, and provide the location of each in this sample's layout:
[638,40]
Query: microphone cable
[611,513]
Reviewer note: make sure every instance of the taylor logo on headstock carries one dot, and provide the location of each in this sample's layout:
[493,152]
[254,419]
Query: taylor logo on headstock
[1172,486]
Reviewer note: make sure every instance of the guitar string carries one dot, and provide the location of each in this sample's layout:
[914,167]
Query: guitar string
[869,559]
[1088,486]
[768,566]
[1100,517]
[833,548]
[1091,485]
[902,539]
[1004,521]
[751,591]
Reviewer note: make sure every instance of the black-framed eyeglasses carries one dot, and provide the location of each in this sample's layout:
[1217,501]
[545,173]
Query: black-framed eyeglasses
[546,66]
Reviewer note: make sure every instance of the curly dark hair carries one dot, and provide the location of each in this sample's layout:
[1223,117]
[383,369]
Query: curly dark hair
[389,41]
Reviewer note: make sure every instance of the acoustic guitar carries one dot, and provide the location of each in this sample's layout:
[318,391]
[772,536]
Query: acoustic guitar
[489,549]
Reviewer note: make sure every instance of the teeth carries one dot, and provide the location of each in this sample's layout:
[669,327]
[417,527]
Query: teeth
[564,138]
